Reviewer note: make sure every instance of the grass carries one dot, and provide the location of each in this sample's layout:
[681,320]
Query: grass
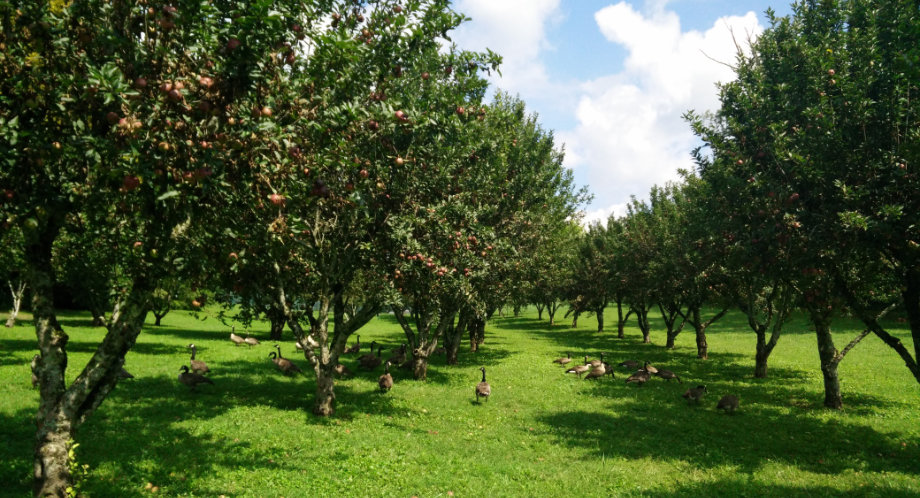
[543,432]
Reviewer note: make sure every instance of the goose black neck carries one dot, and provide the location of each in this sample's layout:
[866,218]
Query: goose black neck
[483,374]
[272,355]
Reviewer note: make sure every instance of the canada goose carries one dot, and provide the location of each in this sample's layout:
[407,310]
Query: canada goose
[237,340]
[695,394]
[596,372]
[668,375]
[649,368]
[580,369]
[34,366]
[356,347]
[373,361]
[640,377]
[386,380]
[342,370]
[597,363]
[483,388]
[729,403]
[192,379]
[399,356]
[198,366]
[609,370]
[366,356]
[564,360]
[629,364]
[251,341]
[284,364]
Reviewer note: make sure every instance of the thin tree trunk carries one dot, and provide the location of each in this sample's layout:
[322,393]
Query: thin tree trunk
[453,337]
[694,317]
[158,316]
[539,311]
[669,314]
[17,292]
[276,320]
[551,308]
[517,310]
[827,354]
[621,320]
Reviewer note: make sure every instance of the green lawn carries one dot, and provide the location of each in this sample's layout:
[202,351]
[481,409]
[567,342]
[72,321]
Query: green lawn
[541,433]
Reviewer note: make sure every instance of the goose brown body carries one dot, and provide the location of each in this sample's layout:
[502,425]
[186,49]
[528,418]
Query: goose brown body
[192,379]
[729,403]
[564,360]
[483,389]
[198,366]
[668,375]
[695,394]
[386,380]
[285,365]
[639,377]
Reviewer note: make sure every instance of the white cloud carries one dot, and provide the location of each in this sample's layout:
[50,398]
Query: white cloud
[516,29]
[630,134]
[602,214]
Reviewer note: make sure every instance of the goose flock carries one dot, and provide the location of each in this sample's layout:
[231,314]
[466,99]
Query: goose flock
[597,368]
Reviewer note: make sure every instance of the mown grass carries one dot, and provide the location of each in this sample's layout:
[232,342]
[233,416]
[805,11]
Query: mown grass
[543,432]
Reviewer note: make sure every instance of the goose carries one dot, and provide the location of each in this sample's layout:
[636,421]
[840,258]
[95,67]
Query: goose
[386,380]
[237,340]
[483,389]
[372,362]
[695,394]
[192,379]
[580,369]
[649,368]
[198,366]
[284,364]
[629,364]
[668,375]
[342,370]
[729,403]
[252,341]
[564,360]
[356,347]
[596,372]
[597,363]
[366,356]
[640,377]
[399,356]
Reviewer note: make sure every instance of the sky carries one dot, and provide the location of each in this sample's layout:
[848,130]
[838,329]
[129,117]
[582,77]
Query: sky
[612,79]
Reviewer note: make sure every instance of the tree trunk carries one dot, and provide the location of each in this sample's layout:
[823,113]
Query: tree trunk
[551,308]
[98,317]
[324,405]
[420,367]
[539,311]
[52,475]
[760,359]
[158,317]
[575,319]
[621,320]
[276,320]
[600,318]
[477,326]
[642,319]
[702,347]
[453,337]
[17,292]
[828,356]
[517,310]
[670,314]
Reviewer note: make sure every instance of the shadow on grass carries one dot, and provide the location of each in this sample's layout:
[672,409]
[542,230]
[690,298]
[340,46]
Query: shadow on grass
[742,486]
[17,431]
[654,421]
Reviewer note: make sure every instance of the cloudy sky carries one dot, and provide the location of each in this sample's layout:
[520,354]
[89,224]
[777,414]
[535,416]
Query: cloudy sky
[612,79]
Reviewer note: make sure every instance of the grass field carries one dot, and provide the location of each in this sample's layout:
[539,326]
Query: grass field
[541,433]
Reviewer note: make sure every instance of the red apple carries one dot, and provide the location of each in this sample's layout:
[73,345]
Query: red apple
[130,182]
[138,244]
[267,112]
[460,110]
[400,161]
[364,173]
[233,44]
[205,81]
[140,83]
[831,72]
[373,125]
[112,117]
[401,116]
[233,256]
[276,199]
[425,75]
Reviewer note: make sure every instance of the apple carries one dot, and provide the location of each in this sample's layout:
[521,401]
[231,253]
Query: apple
[138,244]
[794,197]
[166,87]
[205,81]
[233,256]
[373,125]
[400,115]
[233,44]
[112,117]
[350,187]
[130,183]
[397,8]
[140,82]
[831,72]
[267,112]
[400,161]
[175,95]
[196,303]
[425,75]
[364,173]
[460,110]
[164,146]
[276,199]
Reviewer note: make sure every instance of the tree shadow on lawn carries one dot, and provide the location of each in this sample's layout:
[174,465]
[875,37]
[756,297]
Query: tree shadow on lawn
[654,421]
[17,431]
[747,486]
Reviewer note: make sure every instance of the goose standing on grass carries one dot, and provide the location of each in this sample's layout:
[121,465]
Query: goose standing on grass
[386,380]
[284,364]
[695,394]
[237,340]
[564,360]
[580,369]
[668,375]
[373,361]
[192,379]
[198,366]
[366,356]
[596,372]
[251,341]
[649,368]
[597,363]
[629,364]
[483,389]
[729,403]
[354,348]
[640,377]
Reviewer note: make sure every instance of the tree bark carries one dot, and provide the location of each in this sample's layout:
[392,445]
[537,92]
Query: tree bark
[641,311]
[17,292]
[276,320]
[453,337]
[621,320]
[827,354]
[324,405]
[670,314]
[694,316]
[539,311]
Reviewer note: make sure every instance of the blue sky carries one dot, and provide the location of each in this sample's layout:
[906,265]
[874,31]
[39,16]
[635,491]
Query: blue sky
[612,78]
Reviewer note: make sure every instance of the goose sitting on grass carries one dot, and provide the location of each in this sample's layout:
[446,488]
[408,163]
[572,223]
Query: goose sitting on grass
[192,379]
